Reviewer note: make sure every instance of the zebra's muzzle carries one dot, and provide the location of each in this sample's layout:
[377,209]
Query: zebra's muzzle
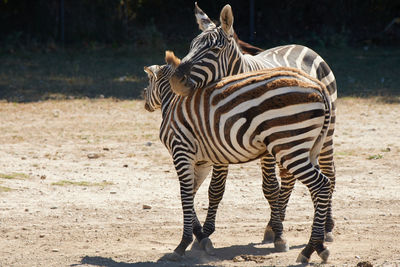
[148,108]
[181,84]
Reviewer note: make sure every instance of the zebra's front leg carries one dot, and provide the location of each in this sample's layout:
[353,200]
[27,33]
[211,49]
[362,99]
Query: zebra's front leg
[274,230]
[186,173]
[215,193]
[202,240]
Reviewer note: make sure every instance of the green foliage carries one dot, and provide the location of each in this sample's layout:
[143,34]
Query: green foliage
[156,22]
[5,189]
[377,156]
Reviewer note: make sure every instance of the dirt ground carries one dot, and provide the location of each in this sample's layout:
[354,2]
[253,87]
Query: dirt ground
[88,183]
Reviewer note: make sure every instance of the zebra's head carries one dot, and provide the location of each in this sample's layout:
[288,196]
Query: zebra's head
[209,54]
[151,92]
[159,81]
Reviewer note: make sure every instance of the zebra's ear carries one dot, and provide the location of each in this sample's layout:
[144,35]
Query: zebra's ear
[171,59]
[152,70]
[226,19]
[202,19]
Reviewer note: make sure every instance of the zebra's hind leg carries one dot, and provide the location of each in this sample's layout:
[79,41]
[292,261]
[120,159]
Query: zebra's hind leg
[327,167]
[287,185]
[271,188]
[319,186]
[202,241]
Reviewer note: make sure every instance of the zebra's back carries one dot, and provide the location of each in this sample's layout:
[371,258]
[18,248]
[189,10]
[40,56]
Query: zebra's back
[303,58]
[242,117]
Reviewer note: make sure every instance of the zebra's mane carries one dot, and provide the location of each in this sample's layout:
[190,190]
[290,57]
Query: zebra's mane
[209,37]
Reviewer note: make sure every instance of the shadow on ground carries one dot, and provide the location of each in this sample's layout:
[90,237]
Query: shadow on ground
[75,73]
[252,252]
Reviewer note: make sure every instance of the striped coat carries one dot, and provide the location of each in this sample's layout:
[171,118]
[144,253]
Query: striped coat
[282,112]
[214,54]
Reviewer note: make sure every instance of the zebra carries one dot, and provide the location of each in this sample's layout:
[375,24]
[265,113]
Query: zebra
[281,112]
[159,77]
[220,171]
[214,54]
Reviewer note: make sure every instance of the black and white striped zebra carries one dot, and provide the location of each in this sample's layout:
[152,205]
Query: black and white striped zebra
[159,91]
[159,77]
[282,112]
[214,54]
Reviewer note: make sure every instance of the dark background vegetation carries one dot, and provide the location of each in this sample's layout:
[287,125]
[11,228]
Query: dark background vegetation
[71,48]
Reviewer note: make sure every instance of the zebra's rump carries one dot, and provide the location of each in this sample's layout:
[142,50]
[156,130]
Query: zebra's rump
[244,116]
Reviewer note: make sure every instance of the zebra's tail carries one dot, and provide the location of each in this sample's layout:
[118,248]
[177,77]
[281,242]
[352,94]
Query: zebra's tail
[319,142]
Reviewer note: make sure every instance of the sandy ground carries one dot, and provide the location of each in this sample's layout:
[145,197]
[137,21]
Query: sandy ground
[88,183]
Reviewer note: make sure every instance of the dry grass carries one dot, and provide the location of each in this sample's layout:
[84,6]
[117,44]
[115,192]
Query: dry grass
[14,175]
[82,183]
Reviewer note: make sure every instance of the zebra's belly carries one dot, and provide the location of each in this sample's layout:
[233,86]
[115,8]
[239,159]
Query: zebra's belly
[233,153]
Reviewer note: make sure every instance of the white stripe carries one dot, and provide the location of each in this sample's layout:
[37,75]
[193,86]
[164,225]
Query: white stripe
[306,145]
[300,156]
[334,96]
[286,56]
[299,60]
[315,65]
[289,127]
[313,132]
[328,79]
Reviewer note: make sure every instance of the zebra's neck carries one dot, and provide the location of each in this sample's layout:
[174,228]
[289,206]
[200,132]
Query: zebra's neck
[167,97]
[244,63]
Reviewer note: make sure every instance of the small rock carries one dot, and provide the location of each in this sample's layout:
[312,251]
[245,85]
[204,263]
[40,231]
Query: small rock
[238,259]
[364,264]
[55,250]
[125,166]
[56,113]
[119,217]
[370,172]
[357,257]
[23,158]
[113,192]
[93,156]
[41,236]
[53,208]
[106,149]
[26,210]
[146,207]
[148,143]
[43,177]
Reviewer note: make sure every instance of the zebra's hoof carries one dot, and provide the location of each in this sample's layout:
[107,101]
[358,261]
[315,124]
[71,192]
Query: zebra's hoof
[195,245]
[324,255]
[269,235]
[329,237]
[207,246]
[171,257]
[281,245]
[302,259]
